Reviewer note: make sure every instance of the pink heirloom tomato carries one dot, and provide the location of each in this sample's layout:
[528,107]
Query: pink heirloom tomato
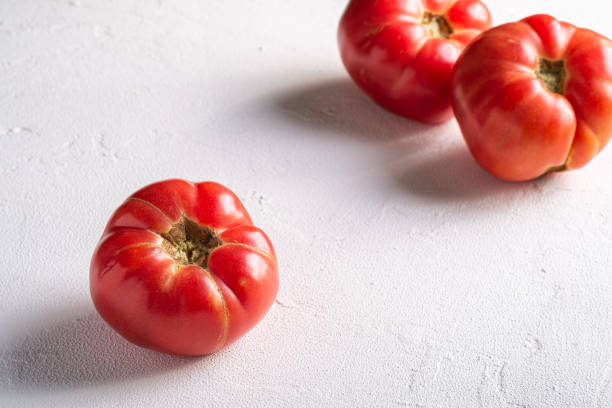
[181,269]
[534,96]
[402,52]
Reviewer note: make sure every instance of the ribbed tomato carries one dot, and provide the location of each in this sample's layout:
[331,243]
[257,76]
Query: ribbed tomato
[181,269]
[402,52]
[534,96]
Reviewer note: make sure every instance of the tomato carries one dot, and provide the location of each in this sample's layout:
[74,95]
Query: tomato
[534,96]
[402,52]
[181,269]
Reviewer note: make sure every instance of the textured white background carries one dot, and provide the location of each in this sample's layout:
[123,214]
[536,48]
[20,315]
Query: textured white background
[409,277]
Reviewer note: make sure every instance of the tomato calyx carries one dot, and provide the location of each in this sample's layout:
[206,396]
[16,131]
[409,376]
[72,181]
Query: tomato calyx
[190,243]
[436,25]
[552,74]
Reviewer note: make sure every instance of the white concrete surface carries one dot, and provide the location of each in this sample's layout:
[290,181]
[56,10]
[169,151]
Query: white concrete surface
[409,277]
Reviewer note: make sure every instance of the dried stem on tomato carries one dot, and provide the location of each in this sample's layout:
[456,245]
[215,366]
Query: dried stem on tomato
[189,243]
[552,74]
[436,25]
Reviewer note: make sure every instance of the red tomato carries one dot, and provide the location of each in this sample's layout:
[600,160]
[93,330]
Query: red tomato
[534,96]
[402,52]
[181,269]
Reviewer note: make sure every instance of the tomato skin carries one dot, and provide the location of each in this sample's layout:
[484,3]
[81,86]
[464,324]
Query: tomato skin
[391,57]
[157,302]
[515,127]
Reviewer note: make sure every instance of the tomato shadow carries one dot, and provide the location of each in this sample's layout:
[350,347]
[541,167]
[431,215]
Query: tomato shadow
[79,352]
[430,161]
[452,175]
[339,107]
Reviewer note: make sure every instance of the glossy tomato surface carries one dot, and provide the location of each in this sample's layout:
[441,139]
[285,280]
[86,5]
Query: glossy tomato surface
[181,269]
[402,52]
[534,96]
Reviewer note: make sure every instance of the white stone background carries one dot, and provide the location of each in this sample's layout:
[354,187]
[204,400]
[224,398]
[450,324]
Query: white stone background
[409,277]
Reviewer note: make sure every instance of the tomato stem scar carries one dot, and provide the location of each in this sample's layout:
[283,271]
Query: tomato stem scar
[552,74]
[436,25]
[190,243]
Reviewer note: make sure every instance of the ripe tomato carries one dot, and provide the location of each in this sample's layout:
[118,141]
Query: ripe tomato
[402,52]
[181,269]
[534,96]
